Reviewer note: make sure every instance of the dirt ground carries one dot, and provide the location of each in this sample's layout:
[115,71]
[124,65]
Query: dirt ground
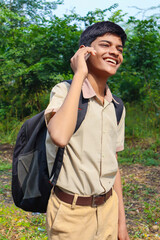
[6,151]
[141,190]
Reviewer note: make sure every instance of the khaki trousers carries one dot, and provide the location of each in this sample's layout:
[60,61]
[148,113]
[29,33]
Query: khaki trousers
[72,222]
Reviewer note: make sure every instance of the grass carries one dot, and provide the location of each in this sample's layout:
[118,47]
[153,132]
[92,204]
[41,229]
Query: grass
[17,224]
[4,165]
[142,151]
[142,122]
[142,201]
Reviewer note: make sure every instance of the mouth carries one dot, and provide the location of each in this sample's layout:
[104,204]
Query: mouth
[111,60]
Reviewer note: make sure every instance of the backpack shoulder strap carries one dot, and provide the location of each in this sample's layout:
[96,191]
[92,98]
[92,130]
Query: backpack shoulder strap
[118,108]
[82,109]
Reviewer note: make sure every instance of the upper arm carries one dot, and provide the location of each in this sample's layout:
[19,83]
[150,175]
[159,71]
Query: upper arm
[57,96]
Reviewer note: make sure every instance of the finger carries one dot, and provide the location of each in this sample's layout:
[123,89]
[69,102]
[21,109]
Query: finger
[83,52]
[87,50]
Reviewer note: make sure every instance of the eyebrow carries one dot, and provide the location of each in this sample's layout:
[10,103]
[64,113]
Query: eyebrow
[121,46]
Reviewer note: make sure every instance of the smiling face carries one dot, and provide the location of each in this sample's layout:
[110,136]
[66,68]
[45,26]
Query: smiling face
[108,56]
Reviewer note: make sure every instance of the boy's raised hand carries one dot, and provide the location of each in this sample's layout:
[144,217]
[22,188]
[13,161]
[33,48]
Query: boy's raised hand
[78,61]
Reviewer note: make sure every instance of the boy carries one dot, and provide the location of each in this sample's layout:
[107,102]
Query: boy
[90,157]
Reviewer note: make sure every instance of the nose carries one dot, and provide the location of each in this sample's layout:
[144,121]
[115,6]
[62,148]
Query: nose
[113,51]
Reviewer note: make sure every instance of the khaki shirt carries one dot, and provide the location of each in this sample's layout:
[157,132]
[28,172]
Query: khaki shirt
[89,162]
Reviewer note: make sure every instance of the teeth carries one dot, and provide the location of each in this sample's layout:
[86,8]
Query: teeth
[111,60]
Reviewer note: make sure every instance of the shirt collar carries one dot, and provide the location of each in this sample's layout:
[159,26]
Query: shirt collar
[88,91]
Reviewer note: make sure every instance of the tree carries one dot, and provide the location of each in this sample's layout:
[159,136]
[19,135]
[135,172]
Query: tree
[140,73]
[33,10]
[32,57]
[91,17]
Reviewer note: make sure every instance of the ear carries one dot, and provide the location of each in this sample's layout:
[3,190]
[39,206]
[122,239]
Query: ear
[82,46]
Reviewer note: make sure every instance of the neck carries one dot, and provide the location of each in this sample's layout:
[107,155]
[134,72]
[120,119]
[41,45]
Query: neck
[98,84]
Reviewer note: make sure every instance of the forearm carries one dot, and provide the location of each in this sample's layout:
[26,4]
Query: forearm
[62,125]
[118,189]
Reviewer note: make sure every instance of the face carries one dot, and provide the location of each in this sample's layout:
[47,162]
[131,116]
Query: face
[108,56]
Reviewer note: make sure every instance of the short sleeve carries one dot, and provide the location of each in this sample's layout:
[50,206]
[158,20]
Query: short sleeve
[57,97]
[121,133]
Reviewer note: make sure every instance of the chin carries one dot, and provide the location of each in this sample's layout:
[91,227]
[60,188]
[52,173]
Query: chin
[105,74]
[110,73]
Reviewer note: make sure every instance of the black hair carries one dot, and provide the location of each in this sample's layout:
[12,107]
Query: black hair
[99,29]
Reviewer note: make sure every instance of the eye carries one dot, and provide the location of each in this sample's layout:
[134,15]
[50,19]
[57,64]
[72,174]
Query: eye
[104,45]
[120,50]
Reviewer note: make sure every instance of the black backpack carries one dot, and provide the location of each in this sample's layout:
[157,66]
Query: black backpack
[31,185]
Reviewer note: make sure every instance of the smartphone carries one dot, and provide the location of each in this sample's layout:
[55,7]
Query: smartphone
[87,56]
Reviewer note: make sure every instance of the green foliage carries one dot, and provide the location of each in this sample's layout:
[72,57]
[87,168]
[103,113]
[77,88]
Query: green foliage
[142,137]
[117,16]
[92,16]
[138,125]
[35,52]
[30,63]
[35,10]
[138,79]
[9,129]
[142,58]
